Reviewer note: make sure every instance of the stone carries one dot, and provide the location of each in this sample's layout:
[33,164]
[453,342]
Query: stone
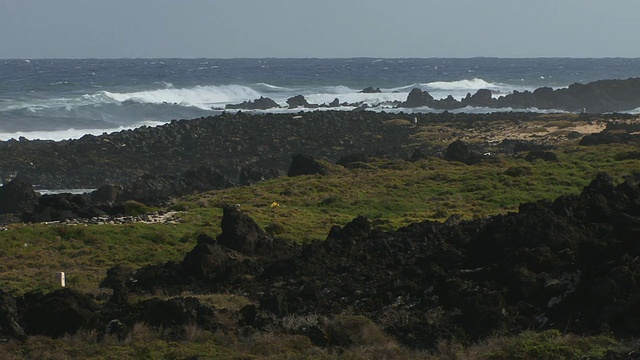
[9,322]
[241,233]
[306,165]
[57,313]
[418,98]
[299,101]
[370,90]
[17,196]
[462,152]
[263,103]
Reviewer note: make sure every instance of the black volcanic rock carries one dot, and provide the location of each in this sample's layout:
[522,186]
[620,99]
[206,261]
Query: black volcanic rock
[154,189]
[482,98]
[263,103]
[177,312]
[60,207]
[9,321]
[566,264]
[306,165]
[370,90]
[57,313]
[606,137]
[108,195]
[417,98]
[17,196]
[241,233]
[595,97]
[299,101]
[462,152]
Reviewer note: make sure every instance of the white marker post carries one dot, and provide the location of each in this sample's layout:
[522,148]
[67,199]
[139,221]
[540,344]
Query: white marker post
[60,279]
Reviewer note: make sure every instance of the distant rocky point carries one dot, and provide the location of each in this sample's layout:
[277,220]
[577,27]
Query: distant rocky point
[595,97]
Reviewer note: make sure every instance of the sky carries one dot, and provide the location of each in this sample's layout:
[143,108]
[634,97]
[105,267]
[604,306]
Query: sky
[318,28]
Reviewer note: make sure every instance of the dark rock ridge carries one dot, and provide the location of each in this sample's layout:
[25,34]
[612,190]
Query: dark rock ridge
[259,104]
[243,147]
[594,97]
[19,198]
[228,143]
[569,264]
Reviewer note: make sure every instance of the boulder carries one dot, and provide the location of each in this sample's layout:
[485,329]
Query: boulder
[107,195]
[370,90]
[17,196]
[306,165]
[335,103]
[57,313]
[263,103]
[482,98]
[417,98]
[299,101]
[9,323]
[462,152]
[211,262]
[606,137]
[241,233]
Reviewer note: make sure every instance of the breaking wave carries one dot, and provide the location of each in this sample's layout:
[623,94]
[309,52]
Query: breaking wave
[203,97]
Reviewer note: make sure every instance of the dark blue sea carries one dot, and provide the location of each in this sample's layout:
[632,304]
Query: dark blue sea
[62,99]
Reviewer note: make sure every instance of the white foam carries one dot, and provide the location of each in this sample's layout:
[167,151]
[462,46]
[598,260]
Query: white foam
[69,134]
[203,97]
[270,87]
[469,84]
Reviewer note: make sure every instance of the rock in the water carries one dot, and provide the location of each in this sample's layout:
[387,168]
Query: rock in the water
[418,98]
[299,101]
[263,103]
[370,90]
[482,98]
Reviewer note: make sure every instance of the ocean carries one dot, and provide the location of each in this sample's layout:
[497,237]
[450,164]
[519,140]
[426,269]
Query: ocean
[56,99]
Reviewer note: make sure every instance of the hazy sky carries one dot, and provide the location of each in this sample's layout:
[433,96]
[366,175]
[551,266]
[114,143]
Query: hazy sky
[319,28]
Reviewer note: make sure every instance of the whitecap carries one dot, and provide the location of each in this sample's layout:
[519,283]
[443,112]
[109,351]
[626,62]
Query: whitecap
[203,97]
[70,134]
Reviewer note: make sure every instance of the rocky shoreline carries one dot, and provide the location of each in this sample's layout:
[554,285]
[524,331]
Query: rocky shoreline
[151,166]
[595,97]
[242,147]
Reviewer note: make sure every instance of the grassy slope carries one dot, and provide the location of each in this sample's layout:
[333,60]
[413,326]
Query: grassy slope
[392,193]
